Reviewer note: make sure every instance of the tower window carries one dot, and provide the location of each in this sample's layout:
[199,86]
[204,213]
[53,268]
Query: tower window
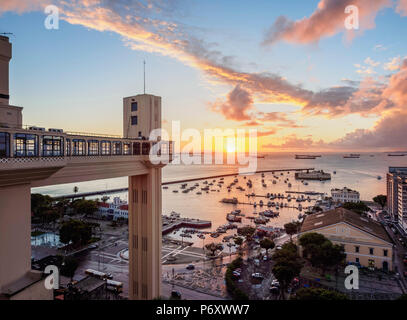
[134,106]
[134,120]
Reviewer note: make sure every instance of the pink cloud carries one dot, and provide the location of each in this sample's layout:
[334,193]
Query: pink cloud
[327,20]
[402,7]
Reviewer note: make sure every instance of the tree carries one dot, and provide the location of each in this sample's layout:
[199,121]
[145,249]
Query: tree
[321,252]
[358,207]
[381,200]
[287,266]
[75,231]
[39,203]
[239,241]
[213,247]
[267,244]
[318,294]
[86,207]
[104,199]
[69,266]
[292,228]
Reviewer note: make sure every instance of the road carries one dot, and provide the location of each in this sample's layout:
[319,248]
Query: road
[399,252]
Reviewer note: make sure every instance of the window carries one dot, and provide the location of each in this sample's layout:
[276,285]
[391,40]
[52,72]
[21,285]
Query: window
[357,249]
[371,250]
[146,148]
[25,145]
[134,106]
[105,146]
[68,147]
[4,144]
[126,148]
[93,147]
[133,120]
[136,148]
[357,260]
[385,252]
[117,148]
[78,147]
[52,146]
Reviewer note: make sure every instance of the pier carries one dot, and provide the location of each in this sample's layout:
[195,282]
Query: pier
[110,191]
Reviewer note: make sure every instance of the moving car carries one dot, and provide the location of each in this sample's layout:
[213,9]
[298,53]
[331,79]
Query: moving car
[190,267]
[175,295]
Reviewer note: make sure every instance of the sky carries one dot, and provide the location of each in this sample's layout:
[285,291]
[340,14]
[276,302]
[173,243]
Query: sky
[290,69]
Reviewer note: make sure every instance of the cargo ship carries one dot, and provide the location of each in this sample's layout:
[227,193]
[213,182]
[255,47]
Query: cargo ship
[304,156]
[352,156]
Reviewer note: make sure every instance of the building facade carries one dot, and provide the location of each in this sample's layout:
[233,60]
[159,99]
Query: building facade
[402,202]
[116,210]
[365,241]
[392,178]
[345,195]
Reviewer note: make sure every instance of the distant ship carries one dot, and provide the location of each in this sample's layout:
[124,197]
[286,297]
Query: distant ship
[352,156]
[396,154]
[304,156]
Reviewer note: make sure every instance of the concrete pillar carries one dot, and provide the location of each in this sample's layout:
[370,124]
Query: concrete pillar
[15,233]
[145,235]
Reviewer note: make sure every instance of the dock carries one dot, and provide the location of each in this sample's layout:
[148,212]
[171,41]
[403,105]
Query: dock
[117,190]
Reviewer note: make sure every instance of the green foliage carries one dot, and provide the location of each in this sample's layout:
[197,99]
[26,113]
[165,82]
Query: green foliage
[318,294]
[238,241]
[267,244]
[321,252]
[358,207]
[42,208]
[75,231]
[287,265]
[292,228]
[381,200]
[235,292]
[213,247]
[246,231]
[86,207]
[69,266]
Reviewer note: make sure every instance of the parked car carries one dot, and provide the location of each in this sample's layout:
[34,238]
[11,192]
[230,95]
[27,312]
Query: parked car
[256,262]
[265,258]
[257,275]
[275,283]
[278,248]
[190,267]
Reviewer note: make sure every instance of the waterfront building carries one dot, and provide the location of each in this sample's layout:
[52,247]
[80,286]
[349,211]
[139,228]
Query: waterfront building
[118,209]
[365,241]
[393,190]
[402,202]
[345,195]
[35,157]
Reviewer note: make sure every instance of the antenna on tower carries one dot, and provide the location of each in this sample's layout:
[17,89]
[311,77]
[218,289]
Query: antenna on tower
[144,65]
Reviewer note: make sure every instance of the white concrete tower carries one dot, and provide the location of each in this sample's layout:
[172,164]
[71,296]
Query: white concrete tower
[10,116]
[141,115]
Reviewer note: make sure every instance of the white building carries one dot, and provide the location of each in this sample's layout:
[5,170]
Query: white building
[345,195]
[117,209]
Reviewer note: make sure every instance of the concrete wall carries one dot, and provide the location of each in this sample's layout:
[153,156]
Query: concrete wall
[15,233]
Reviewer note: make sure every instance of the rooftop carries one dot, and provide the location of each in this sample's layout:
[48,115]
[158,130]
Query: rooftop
[320,220]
